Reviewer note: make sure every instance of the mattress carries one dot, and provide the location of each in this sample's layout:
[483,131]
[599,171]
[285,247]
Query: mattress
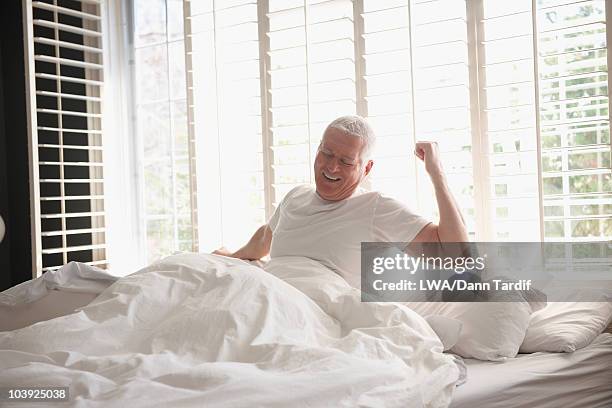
[579,379]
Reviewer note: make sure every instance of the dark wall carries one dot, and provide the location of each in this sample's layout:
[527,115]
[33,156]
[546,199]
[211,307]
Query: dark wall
[15,250]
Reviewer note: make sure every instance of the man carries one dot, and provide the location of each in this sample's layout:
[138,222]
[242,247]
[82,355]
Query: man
[329,222]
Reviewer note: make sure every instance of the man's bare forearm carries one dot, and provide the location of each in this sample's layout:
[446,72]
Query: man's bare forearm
[451,227]
[258,246]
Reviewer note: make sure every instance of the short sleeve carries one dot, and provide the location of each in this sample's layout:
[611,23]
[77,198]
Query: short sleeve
[395,222]
[273,221]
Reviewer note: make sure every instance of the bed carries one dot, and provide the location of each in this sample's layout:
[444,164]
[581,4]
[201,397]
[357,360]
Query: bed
[199,329]
[579,379]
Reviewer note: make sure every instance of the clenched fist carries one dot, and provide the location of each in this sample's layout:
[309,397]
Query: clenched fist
[430,155]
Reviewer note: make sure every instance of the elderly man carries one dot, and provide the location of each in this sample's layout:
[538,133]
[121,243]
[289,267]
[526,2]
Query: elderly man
[329,222]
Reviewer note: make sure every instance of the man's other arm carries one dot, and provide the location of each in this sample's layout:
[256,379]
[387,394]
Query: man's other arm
[451,227]
[257,247]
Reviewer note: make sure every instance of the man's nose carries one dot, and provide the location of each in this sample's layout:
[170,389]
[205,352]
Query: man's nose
[333,165]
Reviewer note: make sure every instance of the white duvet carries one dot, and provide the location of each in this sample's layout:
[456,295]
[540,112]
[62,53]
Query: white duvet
[208,331]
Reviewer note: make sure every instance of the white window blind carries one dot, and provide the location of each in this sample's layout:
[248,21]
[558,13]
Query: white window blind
[312,81]
[417,88]
[442,99]
[223,49]
[387,90]
[509,111]
[547,119]
[574,119]
[65,88]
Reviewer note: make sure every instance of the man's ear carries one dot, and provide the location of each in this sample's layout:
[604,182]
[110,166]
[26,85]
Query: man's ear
[368,167]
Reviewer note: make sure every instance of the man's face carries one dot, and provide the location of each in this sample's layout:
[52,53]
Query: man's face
[338,169]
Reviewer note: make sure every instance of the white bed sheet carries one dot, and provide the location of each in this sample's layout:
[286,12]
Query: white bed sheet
[54,294]
[203,330]
[541,380]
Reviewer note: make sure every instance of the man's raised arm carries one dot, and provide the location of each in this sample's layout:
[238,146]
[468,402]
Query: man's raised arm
[451,227]
[257,247]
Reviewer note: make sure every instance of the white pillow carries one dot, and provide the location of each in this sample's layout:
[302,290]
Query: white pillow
[566,326]
[447,329]
[491,330]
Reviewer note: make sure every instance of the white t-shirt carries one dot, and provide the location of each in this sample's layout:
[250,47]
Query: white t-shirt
[331,232]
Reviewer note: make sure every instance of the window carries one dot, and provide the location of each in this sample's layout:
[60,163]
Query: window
[417,88]
[559,98]
[225,118]
[387,92]
[160,106]
[65,74]
[574,118]
[311,66]
[515,94]
[508,113]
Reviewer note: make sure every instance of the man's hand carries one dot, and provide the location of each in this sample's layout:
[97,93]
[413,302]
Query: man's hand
[430,155]
[223,251]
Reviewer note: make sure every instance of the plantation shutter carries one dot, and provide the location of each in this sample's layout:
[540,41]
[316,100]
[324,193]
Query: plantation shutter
[417,87]
[574,119]
[388,94]
[311,70]
[65,82]
[547,119]
[225,121]
[509,111]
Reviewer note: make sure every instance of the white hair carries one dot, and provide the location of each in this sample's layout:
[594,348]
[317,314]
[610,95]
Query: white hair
[356,126]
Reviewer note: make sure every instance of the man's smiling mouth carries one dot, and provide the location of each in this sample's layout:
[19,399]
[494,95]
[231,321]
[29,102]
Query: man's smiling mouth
[330,178]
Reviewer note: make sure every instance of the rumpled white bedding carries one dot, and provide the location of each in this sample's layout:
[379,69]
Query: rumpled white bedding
[203,330]
[73,276]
